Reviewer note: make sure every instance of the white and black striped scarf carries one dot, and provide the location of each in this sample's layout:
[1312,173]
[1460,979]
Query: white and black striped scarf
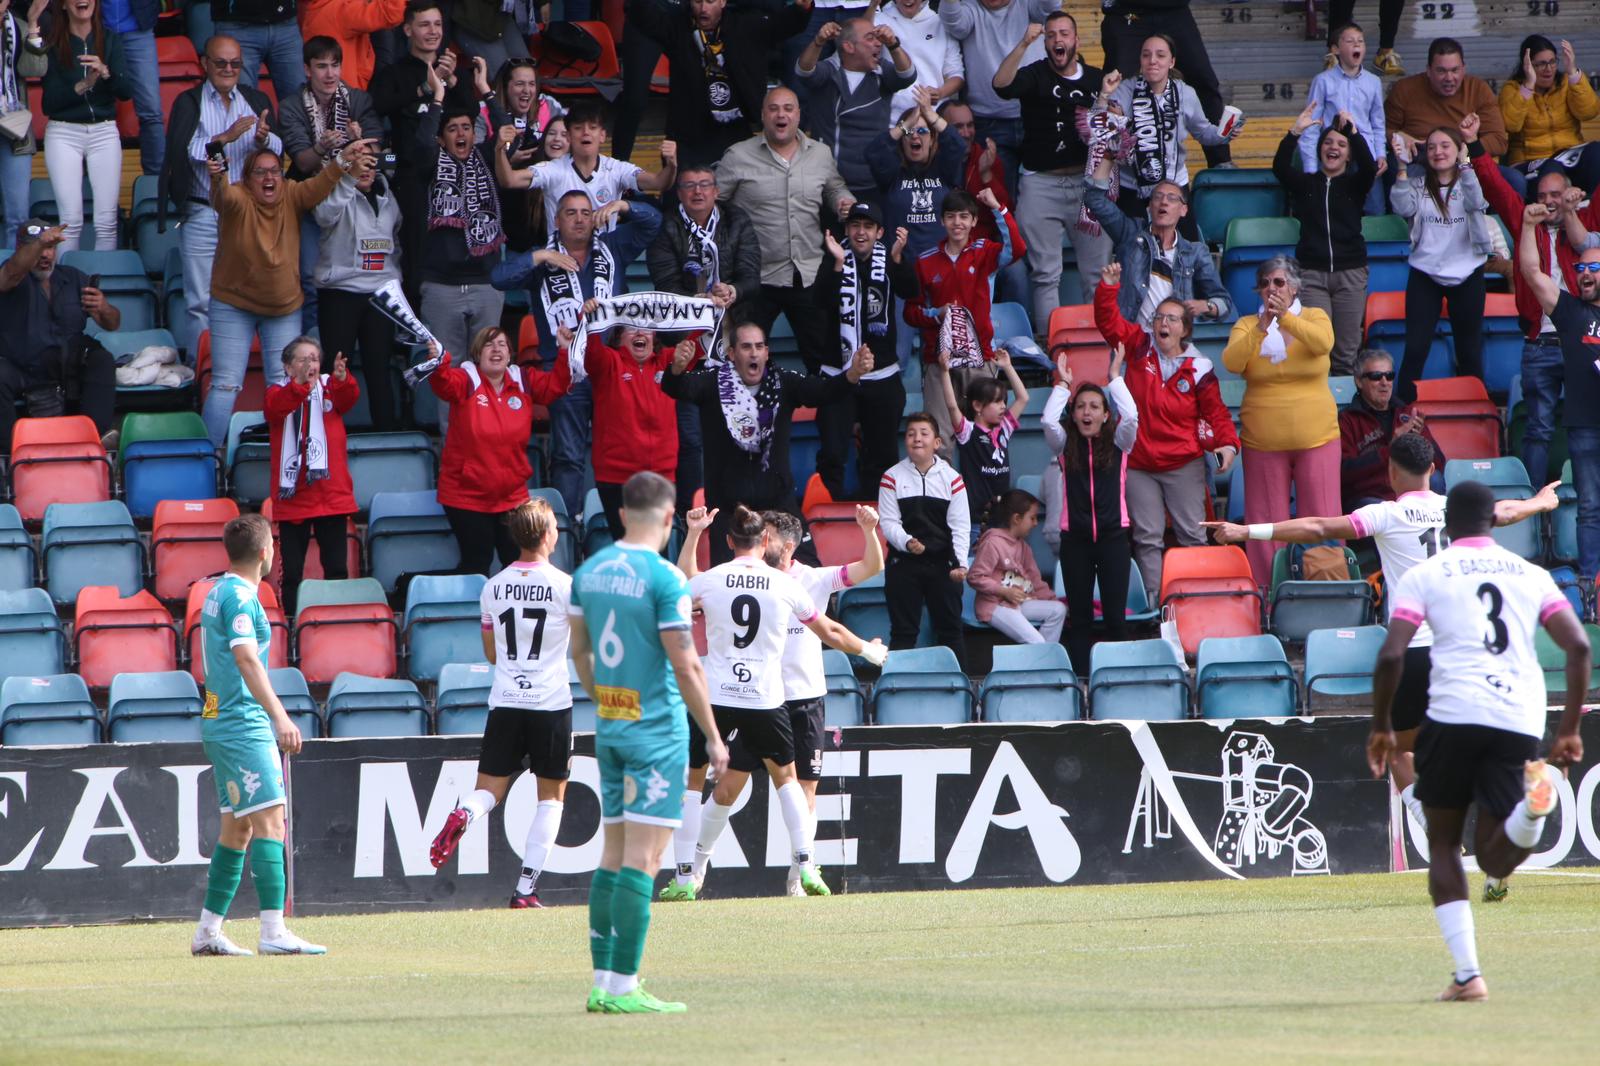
[320,120]
[1154,126]
[463,197]
[10,94]
[864,302]
[561,291]
[705,261]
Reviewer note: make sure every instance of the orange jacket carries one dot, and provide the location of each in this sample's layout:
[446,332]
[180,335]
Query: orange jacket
[351,22]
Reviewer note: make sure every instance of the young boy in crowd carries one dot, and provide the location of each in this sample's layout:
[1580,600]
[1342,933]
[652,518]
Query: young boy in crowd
[923,514]
[1345,86]
[983,429]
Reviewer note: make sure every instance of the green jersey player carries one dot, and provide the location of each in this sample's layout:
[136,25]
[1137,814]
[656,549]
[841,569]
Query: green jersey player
[243,727]
[632,647]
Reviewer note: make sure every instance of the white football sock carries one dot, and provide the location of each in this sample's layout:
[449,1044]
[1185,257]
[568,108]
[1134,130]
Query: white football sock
[1408,796]
[686,836]
[623,983]
[713,820]
[210,923]
[480,803]
[272,927]
[1455,922]
[602,980]
[1522,828]
[792,801]
[541,838]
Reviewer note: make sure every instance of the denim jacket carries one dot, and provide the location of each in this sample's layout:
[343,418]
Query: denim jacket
[1194,276]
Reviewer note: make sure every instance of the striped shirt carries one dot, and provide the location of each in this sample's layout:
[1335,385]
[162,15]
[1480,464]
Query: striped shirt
[216,118]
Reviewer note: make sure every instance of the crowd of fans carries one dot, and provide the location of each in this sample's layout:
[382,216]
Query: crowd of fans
[872,174]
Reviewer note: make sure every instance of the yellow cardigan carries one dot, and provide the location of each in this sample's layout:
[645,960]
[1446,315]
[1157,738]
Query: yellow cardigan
[1548,122]
[1287,406]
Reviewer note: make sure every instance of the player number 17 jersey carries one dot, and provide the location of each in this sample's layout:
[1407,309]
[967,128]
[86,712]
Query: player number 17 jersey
[525,607]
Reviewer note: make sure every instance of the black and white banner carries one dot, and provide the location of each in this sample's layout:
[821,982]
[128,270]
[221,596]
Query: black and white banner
[121,831]
[662,311]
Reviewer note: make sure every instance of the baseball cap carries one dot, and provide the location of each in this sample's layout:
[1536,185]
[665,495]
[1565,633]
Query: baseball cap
[861,211]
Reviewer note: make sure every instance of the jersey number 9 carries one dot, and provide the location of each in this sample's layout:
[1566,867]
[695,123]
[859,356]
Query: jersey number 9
[747,616]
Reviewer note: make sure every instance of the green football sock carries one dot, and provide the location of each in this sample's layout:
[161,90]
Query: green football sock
[600,893]
[630,917]
[222,881]
[266,869]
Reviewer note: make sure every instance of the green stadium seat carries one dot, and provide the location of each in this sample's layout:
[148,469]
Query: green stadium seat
[1300,606]
[1031,683]
[1385,228]
[922,686]
[1138,680]
[1256,232]
[1244,677]
[1217,196]
[1564,522]
[166,456]
[1553,661]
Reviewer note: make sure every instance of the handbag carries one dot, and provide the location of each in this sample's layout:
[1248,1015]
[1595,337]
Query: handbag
[15,125]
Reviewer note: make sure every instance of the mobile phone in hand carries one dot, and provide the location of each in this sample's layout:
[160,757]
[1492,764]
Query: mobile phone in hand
[215,150]
[94,281]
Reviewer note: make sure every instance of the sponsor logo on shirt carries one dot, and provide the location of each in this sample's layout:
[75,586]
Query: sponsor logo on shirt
[617,704]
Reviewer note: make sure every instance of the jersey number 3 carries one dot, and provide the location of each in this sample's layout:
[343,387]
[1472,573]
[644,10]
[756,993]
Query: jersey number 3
[1498,638]
[508,619]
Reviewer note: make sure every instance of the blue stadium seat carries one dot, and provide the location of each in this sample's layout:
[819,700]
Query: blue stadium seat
[922,686]
[1138,608]
[1244,677]
[1566,579]
[248,462]
[360,706]
[864,609]
[1388,266]
[443,623]
[1029,451]
[130,342]
[1564,522]
[462,702]
[1502,351]
[1339,662]
[969,608]
[53,709]
[1509,479]
[1239,271]
[565,557]
[295,695]
[1219,196]
[583,708]
[1031,683]
[32,640]
[1014,332]
[162,706]
[91,544]
[1343,387]
[407,533]
[1137,679]
[389,462]
[845,704]
[596,534]
[18,562]
[166,456]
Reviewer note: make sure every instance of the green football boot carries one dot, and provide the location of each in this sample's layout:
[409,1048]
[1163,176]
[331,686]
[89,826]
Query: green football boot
[641,1002]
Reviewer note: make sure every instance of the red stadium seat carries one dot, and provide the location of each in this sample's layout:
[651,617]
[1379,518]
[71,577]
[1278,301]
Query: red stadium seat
[1385,306]
[1461,417]
[564,74]
[114,635]
[661,77]
[337,637]
[127,120]
[1499,305]
[177,59]
[253,394]
[186,543]
[1075,336]
[838,540]
[1452,390]
[528,340]
[1072,316]
[1089,364]
[702,555]
[313,568]
[277,651]
[57,460]
[1211,594]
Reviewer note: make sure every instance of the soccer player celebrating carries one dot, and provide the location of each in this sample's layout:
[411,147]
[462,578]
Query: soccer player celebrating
[1407,529]
[641,670]
[1486,710]
[749,609]
[243,727]
[530,704]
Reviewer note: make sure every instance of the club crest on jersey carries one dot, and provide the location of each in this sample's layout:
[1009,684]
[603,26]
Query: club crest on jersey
[1183,385]
[514,402]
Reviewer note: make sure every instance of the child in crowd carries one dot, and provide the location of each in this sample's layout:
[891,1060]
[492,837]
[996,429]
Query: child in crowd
[923,515]
[1012,596]
[982,430]
[1348,89]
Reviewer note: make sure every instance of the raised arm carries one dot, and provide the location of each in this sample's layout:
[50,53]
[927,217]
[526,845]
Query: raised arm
[697,521]
[1510,512]
[1019,391]
[871,562]
[1542,285]
[1293,531]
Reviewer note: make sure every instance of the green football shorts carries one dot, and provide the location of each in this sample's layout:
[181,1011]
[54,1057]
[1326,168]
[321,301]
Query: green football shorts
[248,770]
[642,781]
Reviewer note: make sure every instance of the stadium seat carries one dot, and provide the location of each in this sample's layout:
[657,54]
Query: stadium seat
[1343,387]
[52,709]
[113,635]
[90,543]
[565,557]
[443,623]
[1244,677]
[1072,316]
[1460,416]
[313,560]
[1013,331]
[362,706]
[1031,683]
[277,651]
[1210,593]
[1553,661]
[1300,606]
[389,462]
[1239,266]
[1567,580]
[166,456]
[1509,479]
[248,459]
[1388,265]
[864,609]
[838,541]
[1339,662]
[252,391]
[1564,522]
[161,706]
[31,638]
[18,560]
[295,695]
[1218,196]
[1090,364]
[57,460]
[1137,679]
[407,533]
[344,627]
[1261,232]
[461,705]
[186,543]
[922,686]
[596,533]
[566,74]
[845,706]
[1385,228]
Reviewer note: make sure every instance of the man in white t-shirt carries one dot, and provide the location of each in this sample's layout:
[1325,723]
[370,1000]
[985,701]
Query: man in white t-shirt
[1479,743]
[530,701]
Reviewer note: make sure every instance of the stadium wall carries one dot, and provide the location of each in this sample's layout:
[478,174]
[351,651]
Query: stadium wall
[123,832]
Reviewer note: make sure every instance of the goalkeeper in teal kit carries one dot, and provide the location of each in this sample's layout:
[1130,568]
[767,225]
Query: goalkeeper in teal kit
[243,727]
[633,651]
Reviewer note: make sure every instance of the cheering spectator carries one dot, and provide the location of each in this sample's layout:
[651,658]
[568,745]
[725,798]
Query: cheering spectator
[1442,96]
[1340,14]
[312,495]
[987,30]
[518,103]
[1161,111]
[483,467]
[983,425]
[84,79]
[858,292]
[352,26]
[705,249]
[255,290]
[358,254]
[1345,89]
[1444,205]
[16,153]
[1328,202]
[1011,594]
[1050,205]
[268,34]
[782,179]
[580,264]
[1545,104]
[495,31]
[935,55]
[982,165]
[1158,261]
[924,518]
[1290,422]
[214,116]
[1125,32]
[718,61]
[134,23]
[46,358]
[849,92]
[1366,427]
[746,413]
[1174,388]
[1093,445]
[914,163]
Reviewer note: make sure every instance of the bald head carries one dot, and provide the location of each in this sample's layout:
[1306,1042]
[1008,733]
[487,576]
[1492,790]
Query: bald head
[780,117]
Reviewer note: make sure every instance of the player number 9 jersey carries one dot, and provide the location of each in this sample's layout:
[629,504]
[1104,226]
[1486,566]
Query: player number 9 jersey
[748,606]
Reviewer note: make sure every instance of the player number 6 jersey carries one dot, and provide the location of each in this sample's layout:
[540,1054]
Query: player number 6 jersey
[748,606]
[525,607]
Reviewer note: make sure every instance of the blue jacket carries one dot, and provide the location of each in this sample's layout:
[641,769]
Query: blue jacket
[911,197]
[123,16]
[1194,277]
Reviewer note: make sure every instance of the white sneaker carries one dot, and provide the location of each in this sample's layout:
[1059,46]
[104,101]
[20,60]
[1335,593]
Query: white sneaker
[289,944]
[794,887]
[215,944]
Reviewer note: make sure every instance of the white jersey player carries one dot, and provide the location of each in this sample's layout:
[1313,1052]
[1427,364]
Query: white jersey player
[525,636]
[1479,741]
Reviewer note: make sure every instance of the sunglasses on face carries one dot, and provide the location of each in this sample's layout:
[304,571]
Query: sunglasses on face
[226,64]
[1275,283]
[920,131]
[1378,375]
[1584,268]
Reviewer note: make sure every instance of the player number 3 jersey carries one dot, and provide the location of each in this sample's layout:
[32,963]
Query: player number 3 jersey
[525,607]
[748,606]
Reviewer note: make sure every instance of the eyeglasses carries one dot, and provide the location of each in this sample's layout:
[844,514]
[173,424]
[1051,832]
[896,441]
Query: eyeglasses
[1378,375]
[266,172]
[1274,283]
[698,186]
[1161,316]
[1544,64]
[1166,198]
[1584,268]
[920,131]
[226,64]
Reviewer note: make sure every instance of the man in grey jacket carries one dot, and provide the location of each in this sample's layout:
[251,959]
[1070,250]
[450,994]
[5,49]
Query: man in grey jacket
[849,92]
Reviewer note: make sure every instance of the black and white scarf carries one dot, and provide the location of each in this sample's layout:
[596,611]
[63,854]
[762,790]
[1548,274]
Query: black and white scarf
[303,456]
[561,291]
[10,96]
[750,419]
[863,302]
[719,88]
[1154,125]
[705,261]
[463,197]
[320,123]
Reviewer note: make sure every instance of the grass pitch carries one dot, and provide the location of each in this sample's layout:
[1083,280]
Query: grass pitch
[1279,971]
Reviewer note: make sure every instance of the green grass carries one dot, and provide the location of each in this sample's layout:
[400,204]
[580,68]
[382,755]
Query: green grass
[1281,971]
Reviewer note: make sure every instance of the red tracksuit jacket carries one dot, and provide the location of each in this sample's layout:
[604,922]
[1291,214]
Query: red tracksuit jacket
[964,281]
[484,466]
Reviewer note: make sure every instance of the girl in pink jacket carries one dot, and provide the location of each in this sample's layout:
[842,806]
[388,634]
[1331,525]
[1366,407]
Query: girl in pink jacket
[1012,596]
